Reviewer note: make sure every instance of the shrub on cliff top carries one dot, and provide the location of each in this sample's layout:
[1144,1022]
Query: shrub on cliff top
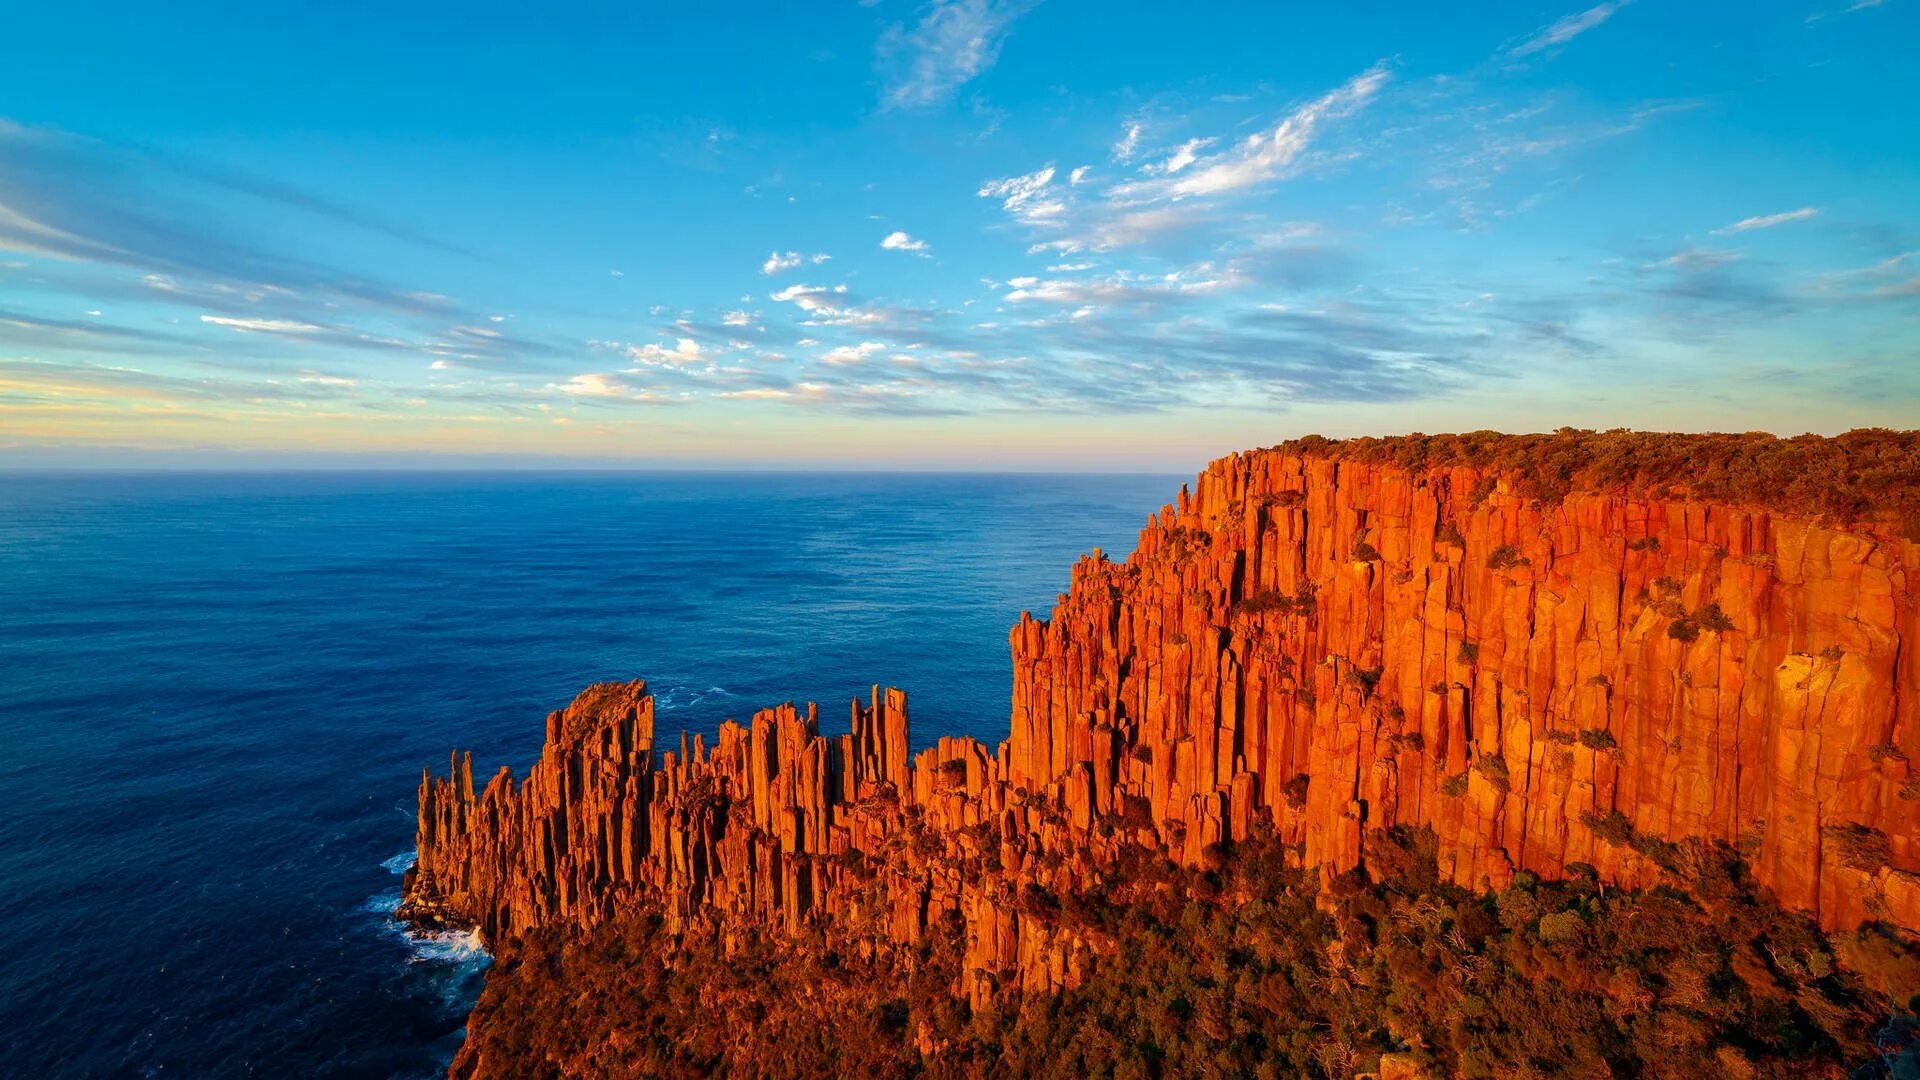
[1870,472]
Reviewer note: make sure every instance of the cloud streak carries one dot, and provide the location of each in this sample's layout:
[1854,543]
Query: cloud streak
[1768,221]
[953,43]
[1566,29]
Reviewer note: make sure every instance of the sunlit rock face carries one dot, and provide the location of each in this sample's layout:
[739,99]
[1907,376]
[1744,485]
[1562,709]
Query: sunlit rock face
[1305,644]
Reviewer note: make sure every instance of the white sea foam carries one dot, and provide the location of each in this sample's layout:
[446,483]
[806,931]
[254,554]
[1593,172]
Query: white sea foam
[460,947]
[463,950]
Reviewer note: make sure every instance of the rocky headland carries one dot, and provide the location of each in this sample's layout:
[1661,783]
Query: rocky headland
[1369,748]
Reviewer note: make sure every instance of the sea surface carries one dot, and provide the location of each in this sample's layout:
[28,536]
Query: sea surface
[217,692]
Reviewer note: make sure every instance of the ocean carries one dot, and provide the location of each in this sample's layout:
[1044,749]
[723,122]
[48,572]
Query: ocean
[217,692]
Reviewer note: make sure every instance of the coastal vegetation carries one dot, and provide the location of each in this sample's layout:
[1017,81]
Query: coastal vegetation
[1249,967]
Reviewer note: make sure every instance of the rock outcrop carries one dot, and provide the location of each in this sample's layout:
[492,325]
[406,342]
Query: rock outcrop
[1306,645]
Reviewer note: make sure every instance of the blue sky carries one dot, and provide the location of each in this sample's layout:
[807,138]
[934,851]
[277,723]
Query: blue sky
[956,234]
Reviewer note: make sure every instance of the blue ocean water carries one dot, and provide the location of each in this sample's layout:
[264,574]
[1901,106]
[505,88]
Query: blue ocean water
[217,692]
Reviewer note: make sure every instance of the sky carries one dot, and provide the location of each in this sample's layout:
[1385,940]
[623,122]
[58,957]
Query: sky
[1004,234]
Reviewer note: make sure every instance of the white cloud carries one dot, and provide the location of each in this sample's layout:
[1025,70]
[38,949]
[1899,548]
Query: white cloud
[1129,142]
[954,41]
[1187,154]
[1565,30]
[1768,221]
[262,326]
[685,352]
[781,261]
[594,384]
[319,379]
[809,297]
[1028,198]
[1087,295]
[1265,155]
[851,354]
[1079,175]
[736,318]
[900,241]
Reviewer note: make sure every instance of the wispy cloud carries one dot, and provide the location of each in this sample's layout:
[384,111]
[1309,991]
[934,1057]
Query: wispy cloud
[1178,191]
[83,201]
[261,326]
[1262,156]
[1564,30]
[954,41]
[1857,5]
[122,225]
[81,381]
[1768,221]
[608,387]
[1892,278]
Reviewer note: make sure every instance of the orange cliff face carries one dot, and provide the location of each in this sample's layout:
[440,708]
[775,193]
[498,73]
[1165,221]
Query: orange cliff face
[1308,645]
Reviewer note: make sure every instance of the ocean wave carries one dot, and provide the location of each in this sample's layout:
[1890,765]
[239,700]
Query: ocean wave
[400,863]
[461,948]
[684,697]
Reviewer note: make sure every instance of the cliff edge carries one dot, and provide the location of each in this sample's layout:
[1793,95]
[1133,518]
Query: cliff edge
[1571,654]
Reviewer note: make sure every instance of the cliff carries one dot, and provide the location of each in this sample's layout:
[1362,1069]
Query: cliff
[1549,654]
